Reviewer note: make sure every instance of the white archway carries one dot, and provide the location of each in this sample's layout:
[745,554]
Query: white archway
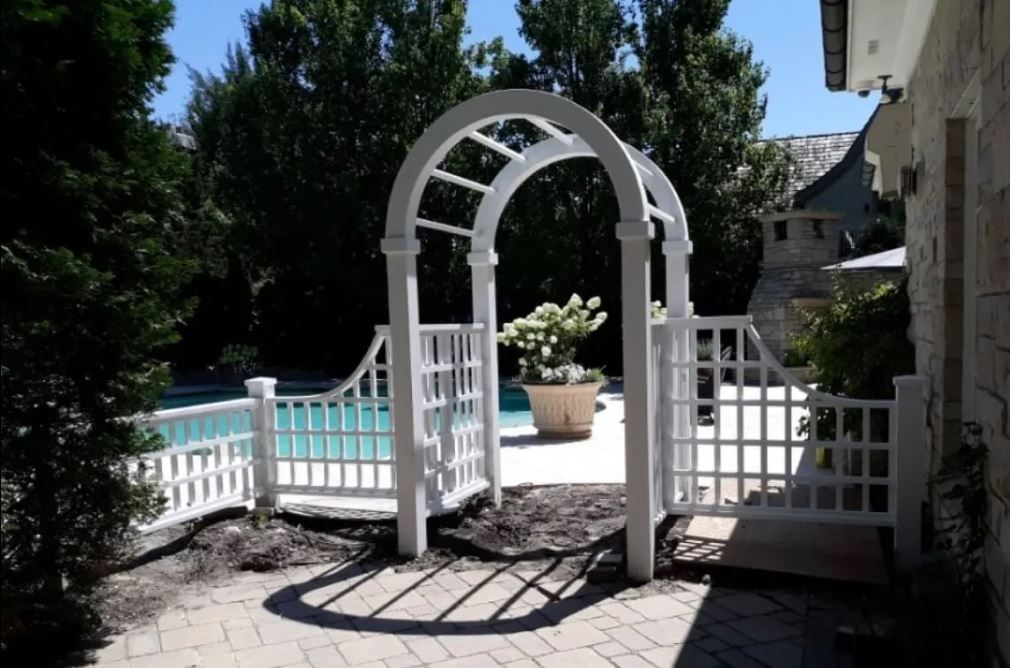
[573,132]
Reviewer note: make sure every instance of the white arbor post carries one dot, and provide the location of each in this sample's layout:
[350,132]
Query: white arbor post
[405,359]
[264,464]
[638,424]
[482,272]
[909,467]
[674,382]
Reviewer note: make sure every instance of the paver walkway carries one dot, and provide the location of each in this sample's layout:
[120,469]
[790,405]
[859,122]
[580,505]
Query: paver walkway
[350,615]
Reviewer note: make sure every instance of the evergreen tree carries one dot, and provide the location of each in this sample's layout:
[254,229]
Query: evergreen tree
[94,250]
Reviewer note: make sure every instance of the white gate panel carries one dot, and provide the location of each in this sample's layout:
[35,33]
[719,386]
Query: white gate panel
[453,413]
[339,443]
[760,443]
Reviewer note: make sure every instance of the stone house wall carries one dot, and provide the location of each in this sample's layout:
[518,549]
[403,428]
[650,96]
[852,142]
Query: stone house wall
[966,39]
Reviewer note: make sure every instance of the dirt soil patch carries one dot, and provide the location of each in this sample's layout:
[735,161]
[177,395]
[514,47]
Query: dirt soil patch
[560,527]
[555,528]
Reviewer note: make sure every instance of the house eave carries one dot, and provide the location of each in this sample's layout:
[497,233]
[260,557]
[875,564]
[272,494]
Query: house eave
[868,43]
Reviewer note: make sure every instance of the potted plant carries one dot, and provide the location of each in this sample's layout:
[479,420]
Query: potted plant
[562,393]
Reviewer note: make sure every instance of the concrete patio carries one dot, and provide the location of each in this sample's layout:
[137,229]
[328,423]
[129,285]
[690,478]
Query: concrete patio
[351,614]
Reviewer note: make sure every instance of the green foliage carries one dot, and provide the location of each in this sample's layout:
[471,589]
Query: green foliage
[95,225]
[300,138]
[860,342]
[883,233]
[792,358]
[238,360]
[944,614]
[961,485]
[857,346]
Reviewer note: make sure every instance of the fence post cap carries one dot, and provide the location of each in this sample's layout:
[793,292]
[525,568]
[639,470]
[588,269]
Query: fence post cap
[400,246]
[628,230]
[479,258]
[910,381]
[261,386]
[682,246]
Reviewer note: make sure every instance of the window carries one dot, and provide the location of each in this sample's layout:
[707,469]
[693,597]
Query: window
[781,230]
[818,229]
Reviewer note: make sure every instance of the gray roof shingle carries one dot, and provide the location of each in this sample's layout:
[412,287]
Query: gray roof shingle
[813,156]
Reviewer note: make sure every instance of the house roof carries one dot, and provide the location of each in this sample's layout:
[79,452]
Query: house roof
[889,260]
[814,156]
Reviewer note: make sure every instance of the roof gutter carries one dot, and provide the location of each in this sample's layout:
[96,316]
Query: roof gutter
[834,29]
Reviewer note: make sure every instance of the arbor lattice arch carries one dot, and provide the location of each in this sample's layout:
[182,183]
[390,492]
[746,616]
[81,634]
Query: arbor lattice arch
[572,132]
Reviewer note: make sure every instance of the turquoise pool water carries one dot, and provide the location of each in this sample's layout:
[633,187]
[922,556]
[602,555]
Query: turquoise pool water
[513,407]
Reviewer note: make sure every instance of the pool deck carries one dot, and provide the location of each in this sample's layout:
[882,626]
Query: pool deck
[526,459]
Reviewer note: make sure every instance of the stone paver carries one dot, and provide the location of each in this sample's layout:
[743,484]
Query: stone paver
[583,658]
[371,649]
[747,604]
[139,644]
[472,619]
[270,656]
[572,635]
[192,636]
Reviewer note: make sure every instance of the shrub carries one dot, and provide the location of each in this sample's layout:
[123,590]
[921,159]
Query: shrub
[857,345]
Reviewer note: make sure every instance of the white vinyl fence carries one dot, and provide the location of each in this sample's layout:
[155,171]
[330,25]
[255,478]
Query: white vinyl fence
[336,444]
[207,463]
[761,444]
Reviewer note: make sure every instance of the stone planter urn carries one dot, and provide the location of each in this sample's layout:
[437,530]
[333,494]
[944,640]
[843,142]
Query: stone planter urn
[563,411]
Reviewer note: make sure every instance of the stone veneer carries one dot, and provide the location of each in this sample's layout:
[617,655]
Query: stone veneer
[965,39]
[791,276]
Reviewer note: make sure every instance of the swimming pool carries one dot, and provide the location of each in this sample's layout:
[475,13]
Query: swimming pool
[513,411]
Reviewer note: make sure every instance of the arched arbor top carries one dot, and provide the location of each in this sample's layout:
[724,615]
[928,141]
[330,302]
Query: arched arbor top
[573,132]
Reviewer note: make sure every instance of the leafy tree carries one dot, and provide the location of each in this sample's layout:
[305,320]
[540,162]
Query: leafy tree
[668,78]
[93,245]
[301,137]
[703,125]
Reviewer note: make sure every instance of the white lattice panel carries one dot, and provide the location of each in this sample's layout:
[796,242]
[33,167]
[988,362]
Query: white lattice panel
[762,444]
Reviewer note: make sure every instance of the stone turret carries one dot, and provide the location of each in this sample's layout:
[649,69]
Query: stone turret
[796,245]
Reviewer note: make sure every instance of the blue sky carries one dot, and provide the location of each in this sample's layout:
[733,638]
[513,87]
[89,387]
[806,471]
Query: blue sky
[786,36]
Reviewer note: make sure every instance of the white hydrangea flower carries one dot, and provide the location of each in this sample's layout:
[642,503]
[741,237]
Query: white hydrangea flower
[539,310]
[531,337]
[553,339]
[593,303]
[540,336]
[568,324]
[601,317]
[522,361]
[575,300]
[545,351]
